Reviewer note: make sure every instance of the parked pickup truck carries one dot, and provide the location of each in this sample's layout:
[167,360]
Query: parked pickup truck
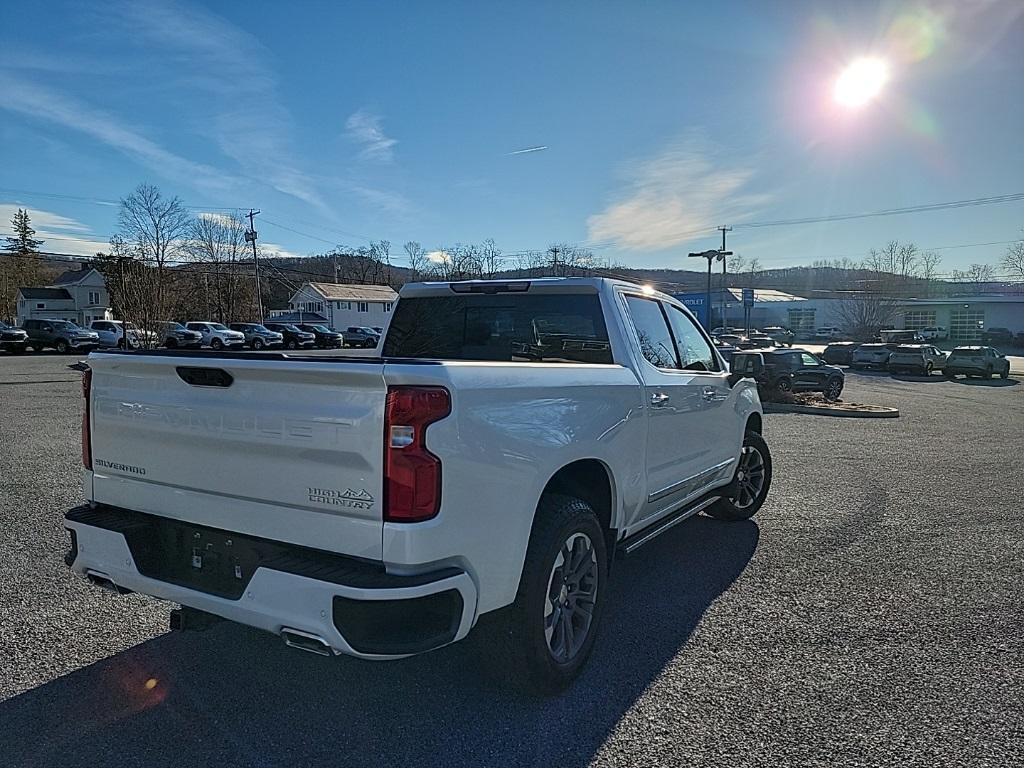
[510,439]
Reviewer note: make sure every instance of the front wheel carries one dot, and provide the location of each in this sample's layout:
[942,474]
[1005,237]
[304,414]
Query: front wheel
[750,484]
[62,347]
[217,344]
[554,619]
[833,389]
[1005,373]
[292,344]
[257,344]
[784,384]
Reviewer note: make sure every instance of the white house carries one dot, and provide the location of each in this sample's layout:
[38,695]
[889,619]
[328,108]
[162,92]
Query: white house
[341,305]
[79,294]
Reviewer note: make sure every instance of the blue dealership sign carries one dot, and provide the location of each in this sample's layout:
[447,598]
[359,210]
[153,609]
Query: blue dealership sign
[696,303]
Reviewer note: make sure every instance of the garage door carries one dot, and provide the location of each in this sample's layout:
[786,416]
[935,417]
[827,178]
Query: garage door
[967,324]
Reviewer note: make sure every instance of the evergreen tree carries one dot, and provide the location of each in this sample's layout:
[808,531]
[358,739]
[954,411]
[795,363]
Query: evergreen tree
[23,241]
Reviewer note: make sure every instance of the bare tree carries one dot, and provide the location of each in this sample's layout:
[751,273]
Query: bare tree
[158,228]
[216,244]
[491,260]
[131,282]
[418,263]
[978,275]
[863,316]
[1013,260]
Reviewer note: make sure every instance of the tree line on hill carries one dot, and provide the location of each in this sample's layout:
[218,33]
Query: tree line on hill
[167,263]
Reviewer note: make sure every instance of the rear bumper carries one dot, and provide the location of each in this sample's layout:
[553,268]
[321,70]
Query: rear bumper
[354,606]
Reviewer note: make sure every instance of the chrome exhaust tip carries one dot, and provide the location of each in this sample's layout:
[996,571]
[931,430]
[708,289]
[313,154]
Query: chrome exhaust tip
[306,641]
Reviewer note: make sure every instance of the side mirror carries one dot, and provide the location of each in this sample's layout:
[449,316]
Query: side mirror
[745,365]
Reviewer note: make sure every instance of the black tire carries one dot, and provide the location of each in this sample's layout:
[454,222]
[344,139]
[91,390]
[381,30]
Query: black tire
[292,344]
[368,344]
[62,347]
[217,344]
[731,508]
[257,344]
[987,374]
[534,665]
[170,343]
[833,389]
[1005,373]
[784,384]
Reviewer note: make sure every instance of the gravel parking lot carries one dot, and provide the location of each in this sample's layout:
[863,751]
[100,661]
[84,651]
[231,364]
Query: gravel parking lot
[871,614]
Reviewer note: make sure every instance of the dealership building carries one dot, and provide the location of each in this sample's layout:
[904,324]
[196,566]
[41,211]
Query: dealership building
[963,317]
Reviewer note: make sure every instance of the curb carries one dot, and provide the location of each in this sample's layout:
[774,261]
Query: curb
[888,413]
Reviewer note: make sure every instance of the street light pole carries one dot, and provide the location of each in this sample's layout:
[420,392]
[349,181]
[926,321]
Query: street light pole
[710,256]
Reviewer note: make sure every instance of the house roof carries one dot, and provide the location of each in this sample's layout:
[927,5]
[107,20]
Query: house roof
[73,276]
[349,292]
[45,293]
[298,317]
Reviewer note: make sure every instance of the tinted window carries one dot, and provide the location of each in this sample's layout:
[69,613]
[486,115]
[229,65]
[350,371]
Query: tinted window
[652,331]
[524,327]
[694,351]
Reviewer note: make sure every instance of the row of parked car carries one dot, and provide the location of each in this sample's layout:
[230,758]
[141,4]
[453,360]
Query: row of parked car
[923,359]
[66,336]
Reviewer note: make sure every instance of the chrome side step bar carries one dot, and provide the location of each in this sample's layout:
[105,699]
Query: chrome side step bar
[631,544]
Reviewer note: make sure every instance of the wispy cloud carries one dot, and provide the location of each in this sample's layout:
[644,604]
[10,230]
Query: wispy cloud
[364,127]
[44,104]
[675,197]
[527,150]
[60,234]
[224,70]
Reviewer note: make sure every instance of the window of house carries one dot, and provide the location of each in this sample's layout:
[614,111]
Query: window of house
[363,307]
[387,306]
[94,298]
[40,306]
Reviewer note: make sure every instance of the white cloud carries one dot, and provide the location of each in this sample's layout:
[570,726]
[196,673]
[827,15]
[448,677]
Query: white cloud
[678,196]
[60,234]
[438,257]
[364,127]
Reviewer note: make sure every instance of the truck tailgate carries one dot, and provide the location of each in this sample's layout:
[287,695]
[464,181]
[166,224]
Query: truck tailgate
[282,449]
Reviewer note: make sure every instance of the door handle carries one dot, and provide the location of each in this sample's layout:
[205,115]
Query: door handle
[658,399]
[711,395]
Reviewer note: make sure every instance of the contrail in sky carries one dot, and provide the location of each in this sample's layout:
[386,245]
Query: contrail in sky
[527,149]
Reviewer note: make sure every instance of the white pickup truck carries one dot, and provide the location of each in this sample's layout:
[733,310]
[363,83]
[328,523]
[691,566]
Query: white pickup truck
[508,441]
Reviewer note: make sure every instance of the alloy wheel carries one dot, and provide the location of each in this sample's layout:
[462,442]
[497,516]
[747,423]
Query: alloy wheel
[571,597]
[749,477]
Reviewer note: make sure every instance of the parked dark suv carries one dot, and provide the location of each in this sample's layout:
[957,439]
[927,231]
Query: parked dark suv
[62,335]
[12,339]
[325,337]
[839,352]
[1002,336]
[797,370]
[294,337]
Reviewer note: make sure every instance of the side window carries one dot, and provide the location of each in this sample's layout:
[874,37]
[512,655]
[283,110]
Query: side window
[652,332]
[807,359]
[695,354]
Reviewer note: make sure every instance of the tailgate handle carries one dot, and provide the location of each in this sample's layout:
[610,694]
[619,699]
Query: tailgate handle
[204,377]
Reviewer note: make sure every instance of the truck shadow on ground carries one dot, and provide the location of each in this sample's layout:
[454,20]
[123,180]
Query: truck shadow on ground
[233,696]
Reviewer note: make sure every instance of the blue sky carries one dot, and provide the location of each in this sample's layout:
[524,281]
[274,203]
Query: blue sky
[661,120]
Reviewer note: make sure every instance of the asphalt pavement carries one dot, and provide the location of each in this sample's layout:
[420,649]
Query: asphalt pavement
[871,614]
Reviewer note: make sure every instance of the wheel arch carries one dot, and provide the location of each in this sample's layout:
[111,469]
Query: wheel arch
[591,480]
[754,423]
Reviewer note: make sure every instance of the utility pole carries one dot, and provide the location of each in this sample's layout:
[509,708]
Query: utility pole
[724,253]
[251,237]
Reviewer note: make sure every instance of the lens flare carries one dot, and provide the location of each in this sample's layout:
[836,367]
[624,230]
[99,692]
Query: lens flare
[861,82]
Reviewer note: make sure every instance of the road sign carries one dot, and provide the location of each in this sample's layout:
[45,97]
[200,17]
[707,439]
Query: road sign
[748,297]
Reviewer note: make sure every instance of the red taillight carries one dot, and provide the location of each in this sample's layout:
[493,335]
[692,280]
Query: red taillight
[412,474]
[86,435]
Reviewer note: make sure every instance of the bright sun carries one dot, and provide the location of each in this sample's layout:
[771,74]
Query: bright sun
[860,82]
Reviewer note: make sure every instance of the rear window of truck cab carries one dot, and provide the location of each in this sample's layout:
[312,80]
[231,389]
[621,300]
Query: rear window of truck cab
[544,328]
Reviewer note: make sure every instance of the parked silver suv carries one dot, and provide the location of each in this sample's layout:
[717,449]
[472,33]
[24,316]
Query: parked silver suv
[977,361]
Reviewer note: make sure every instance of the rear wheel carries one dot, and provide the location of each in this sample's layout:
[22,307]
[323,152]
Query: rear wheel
[257,344]
[784,384]
[750,484]
[554,619]
[217,344]
[292,344]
